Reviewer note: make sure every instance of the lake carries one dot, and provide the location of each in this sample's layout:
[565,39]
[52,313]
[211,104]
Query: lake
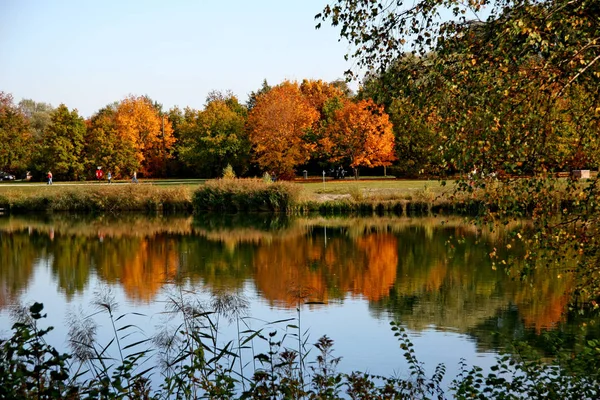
[346,277]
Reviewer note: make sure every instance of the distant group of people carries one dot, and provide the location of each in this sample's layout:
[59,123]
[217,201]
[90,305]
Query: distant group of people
[99,176]
[337,173]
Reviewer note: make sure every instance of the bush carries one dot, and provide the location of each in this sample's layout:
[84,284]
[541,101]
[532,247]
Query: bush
[235,195]
[228,172]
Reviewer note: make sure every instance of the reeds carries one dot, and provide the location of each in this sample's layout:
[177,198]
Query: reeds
[231,195]
[234,195]
[412,208]
[193,364]
[101,198]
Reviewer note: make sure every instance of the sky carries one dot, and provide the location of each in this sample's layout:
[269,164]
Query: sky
[87,54]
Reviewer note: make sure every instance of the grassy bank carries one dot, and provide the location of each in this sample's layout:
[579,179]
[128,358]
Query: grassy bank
[234,195]
[239,195]
[95,198]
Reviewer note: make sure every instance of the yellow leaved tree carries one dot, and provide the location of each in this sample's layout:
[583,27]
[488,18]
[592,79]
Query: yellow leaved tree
[360,133]
[141,126]
[278,126]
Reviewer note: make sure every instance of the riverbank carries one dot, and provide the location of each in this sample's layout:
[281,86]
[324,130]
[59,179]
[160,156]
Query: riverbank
[365,196]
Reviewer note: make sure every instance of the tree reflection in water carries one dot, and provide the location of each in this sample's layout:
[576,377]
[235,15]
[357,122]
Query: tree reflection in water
[425,272]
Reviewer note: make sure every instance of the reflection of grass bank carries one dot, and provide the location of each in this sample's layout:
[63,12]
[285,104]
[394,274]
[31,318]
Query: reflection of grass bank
[236,228]
[99,225]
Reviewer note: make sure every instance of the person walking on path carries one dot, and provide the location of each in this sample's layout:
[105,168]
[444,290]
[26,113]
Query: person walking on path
[134,180]
[49,178]
[108,177]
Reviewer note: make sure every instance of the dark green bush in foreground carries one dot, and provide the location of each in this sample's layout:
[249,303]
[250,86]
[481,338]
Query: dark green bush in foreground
[187,363]
[233,195]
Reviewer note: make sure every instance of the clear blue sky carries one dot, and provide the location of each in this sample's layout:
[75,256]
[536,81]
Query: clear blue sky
[87,54]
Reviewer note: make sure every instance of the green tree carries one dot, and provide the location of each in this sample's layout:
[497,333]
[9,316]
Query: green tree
[38,114]
[416,142]
[215,137]
[342,86]
[176,166]
[16,142]
[253,96]
[62,145]
[405,89]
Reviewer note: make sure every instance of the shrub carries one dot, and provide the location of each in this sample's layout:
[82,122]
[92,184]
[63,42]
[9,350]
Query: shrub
[245,195]
[228,172]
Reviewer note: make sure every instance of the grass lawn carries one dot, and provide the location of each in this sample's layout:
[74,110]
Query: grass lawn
[367,188]
[32,187]
[383,186]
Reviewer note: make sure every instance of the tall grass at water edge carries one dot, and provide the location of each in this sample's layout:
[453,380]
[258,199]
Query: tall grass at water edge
[104,198]
[244,195]
[234,195]
[187,360]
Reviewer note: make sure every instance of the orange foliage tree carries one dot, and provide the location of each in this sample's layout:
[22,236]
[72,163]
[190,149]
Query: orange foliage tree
[277,128]
[318,93]
[361,134]
[106,148]
[141,125]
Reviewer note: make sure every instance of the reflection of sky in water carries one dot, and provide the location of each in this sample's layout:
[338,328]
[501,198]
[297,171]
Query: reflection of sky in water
[364,343]
[368,271]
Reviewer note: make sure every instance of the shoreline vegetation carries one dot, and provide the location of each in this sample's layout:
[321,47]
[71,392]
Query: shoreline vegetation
[192,364]
[241,195]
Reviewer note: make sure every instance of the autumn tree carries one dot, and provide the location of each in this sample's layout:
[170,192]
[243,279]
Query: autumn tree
[517,96]
[62,144]
[482,65]
[104,146]
[360,134]
[326,98]
[16,142]
[277,127]
[142,127]
[215,137]
[318,93]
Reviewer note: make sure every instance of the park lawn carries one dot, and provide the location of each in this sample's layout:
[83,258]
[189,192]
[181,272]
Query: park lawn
[33,187]
[345,186]
[375,189]
[380,189]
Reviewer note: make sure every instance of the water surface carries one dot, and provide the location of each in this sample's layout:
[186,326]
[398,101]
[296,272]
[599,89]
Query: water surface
[344,277]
